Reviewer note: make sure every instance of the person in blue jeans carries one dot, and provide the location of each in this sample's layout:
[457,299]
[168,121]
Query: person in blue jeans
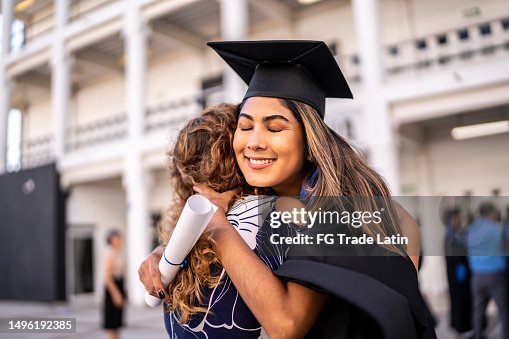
[485,243]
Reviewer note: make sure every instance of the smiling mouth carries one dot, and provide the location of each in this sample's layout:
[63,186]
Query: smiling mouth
[260,161]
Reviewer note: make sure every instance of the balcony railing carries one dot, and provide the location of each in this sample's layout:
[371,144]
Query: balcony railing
[37,151]
[80,9]
[114,128]
[97,132]
[349,64]
[448,47]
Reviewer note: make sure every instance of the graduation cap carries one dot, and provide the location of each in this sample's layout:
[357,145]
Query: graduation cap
[301,70]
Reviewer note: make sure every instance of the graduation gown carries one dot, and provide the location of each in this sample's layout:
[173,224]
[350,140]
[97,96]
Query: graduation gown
[373,296]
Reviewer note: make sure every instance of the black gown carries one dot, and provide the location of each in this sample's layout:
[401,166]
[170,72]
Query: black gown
[374,296]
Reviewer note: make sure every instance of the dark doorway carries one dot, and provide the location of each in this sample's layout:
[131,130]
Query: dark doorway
[83,265]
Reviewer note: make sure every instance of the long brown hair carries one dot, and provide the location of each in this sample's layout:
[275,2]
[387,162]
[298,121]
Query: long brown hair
[340,170]
[203,153]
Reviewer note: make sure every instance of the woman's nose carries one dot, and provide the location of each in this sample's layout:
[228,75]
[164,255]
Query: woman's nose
[256,141]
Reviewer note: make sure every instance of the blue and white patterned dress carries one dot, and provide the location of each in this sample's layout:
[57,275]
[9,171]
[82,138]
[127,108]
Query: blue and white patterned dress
[227,314]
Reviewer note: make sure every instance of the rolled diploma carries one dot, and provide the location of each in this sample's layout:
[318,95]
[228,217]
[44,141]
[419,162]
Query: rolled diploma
[192,222]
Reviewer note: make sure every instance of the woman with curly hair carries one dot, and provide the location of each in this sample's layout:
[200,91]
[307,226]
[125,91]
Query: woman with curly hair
[202,154]
[203,297]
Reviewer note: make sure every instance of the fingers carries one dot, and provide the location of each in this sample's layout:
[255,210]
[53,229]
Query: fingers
[207,192]
[158,288]
[201,189]
[221,200]
[150,276]
[145,278]
[231,193]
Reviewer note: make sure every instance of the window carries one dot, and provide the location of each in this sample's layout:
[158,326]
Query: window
[333,46]
[17,36]
[442,39]
[505,23]
[421,44]
[485,29]
[212,89]
[14,139]
[463,34]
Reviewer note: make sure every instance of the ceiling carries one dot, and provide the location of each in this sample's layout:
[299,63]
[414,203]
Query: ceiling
[441,127]
[190,26]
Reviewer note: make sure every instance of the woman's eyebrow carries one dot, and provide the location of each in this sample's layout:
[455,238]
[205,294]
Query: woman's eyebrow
[273,117]
[266,118]
[247,116]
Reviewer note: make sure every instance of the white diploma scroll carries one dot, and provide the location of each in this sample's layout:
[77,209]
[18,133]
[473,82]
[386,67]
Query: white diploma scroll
[192,222]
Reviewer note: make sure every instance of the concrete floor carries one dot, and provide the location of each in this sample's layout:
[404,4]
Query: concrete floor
[147,323]
[141,322]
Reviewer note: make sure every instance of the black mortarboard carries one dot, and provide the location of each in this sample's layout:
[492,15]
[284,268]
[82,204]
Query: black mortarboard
[301,70]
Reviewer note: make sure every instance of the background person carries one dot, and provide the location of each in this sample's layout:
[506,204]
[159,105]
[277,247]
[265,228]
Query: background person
[458,271]
[114,293]
[488,265]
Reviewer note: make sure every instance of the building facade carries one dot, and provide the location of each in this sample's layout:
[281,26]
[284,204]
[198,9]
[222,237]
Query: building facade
[100,87]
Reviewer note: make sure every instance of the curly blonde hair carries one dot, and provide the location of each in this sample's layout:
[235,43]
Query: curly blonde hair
[203,154]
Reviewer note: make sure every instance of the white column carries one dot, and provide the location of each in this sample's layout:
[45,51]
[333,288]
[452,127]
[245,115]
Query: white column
[7,18]
[5,85]
[135,178]
[433,278]
[379,133]
[5,106]
[234,25]
[60,82]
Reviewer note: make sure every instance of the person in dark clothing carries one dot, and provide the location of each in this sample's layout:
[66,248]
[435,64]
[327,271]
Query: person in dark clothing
[458,272]
[114,292]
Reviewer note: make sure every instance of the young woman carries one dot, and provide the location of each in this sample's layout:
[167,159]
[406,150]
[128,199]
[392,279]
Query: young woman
[114,294]
[282,144]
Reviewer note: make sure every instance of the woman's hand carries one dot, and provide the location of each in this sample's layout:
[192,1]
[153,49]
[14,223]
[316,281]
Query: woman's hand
[118,300]
[151,277]
[221,201]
